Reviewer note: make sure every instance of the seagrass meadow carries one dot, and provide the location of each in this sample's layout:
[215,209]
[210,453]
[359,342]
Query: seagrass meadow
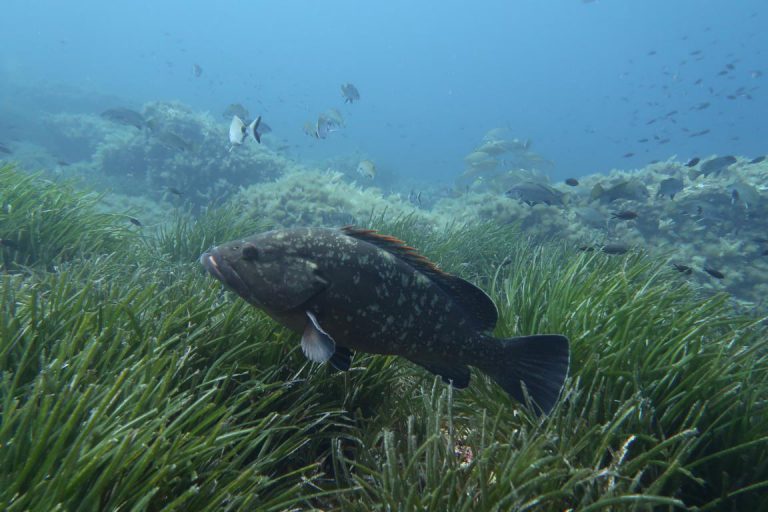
[131,381]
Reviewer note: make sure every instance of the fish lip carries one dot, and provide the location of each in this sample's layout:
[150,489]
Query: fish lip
[224,272]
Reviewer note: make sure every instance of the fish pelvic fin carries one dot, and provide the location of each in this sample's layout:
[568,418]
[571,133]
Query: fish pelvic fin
[316,344]
[536,366]
[341,359]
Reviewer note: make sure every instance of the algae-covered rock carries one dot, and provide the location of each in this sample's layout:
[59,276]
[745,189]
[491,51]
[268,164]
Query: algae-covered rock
[304,197]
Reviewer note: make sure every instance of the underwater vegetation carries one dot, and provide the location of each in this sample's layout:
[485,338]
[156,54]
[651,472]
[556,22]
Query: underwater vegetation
[162,151]
[705,214]
[129,381]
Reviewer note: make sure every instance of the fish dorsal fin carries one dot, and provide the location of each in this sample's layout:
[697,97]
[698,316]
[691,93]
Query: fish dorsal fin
[480,308]
[396,247]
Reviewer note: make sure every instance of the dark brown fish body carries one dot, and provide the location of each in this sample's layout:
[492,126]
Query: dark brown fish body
[572,182]
[353,289]
[615,248]
[693,161]
[714,273]
[717,165]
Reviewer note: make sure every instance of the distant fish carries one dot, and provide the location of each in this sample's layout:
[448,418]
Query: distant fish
[717,165]
[714,273]
[624,215]
[174,191]
[197,70]
[124,116]
[239,130]
[615,248]
[135,221]
[532,193]
[701,106]
[173,141]
[745,194]
[4,149]
[325,126]
[632,190]
[693,161]
[572,182]
[699,133]
[628,155]
[670,187]
[350,93]
[367,169]
[683,269]
[264,128]
[757,160]
[235,109]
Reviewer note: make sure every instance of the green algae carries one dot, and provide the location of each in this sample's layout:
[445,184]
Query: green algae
[131,381]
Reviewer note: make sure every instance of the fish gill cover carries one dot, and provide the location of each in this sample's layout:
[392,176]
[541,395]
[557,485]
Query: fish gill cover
[596,168]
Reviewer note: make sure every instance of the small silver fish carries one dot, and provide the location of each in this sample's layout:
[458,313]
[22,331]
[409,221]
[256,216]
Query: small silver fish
[239,130]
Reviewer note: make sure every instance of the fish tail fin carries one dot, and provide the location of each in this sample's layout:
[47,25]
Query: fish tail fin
[535,364]
[254,129]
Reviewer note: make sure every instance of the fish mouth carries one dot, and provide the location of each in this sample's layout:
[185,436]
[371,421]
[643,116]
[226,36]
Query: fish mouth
[224,272]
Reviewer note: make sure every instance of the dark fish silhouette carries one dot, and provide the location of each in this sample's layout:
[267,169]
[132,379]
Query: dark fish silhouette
[631,189]
[714,273]
[124,116]
[532,193]
[235,109]
[624,215]
[572,182]
[355,289]
[350,93]
[717,165]
[693,161]
[670,187]
[615,248]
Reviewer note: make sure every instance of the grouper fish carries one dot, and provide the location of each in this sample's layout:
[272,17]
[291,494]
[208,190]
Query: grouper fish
[353,289]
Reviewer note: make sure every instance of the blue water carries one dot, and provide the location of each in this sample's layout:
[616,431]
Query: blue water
[582,80]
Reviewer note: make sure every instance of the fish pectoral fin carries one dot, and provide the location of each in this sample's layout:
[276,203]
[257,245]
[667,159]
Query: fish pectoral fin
[454,374]
[316,344]
[341,359]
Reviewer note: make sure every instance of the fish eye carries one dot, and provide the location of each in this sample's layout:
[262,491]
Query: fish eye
[250,252]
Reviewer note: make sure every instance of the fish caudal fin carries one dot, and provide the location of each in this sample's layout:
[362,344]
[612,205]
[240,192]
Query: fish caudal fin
[539,363]
[254,129]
